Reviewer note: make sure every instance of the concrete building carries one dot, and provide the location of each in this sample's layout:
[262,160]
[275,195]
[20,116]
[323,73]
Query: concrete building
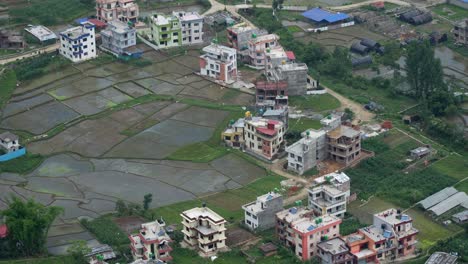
[219,62]
[152,242]
[460,32]
[279,114]
[233,135]
[271,95]
[344,144]
[203,231]
[391,236]
[43,34]
[9,142]
[192,27]
[329,194]
[166,31]
[294,74]
[257,47]
[240,34]
[118,38]
[334,251]
[260,214]
[11,40]
[264,137]
[274,57]
[298,229]
[304,154]
[123,10]
[78,43]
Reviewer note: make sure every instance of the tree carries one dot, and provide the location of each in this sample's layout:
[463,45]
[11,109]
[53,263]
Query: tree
[147,199]
[78,250]
[121,207]
[29,223]
[339,64]
[314,53]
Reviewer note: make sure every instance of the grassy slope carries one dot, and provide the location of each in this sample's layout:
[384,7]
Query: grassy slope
[317,103]
[7,86]
[454,166]
[458,13]
[300,125]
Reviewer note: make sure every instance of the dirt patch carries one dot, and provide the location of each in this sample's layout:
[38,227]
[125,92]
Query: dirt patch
[129,224]
[238,236]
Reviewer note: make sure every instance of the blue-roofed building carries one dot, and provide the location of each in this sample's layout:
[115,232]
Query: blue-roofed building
[323,20]
[260,214]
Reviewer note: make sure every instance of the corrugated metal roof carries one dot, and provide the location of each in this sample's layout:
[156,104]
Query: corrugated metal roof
[318,15]
[462,216]
[441,258]
[438,197]
[449,203]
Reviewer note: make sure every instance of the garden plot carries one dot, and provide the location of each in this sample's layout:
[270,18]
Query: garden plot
[57,75]
[158,86]
[130,75]
[132,89]
[211,92]
[55,186]
[17,107]
[41,119]
[237,169]
[152,107]
[90,138]
[191,61]
[62,166]
[108,69]
[94,103]
[201,116]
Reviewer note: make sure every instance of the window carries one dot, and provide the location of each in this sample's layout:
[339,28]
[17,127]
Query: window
[196,24]
[196,31]
[85,39]
[175,34]
[176,40]
[197,38]
[86,53]
[85,46]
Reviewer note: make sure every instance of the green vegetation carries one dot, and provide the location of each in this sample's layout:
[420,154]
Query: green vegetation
[198,152]
[451,12]
[44,260]
[350,225]
[458,243]
[311,172]
[23,164]
[34,67]
[453,165]
[106,231]
[28,223]
[294,29]
[462,186]
[8,84]
[302,124]
[317,103]
[51,12]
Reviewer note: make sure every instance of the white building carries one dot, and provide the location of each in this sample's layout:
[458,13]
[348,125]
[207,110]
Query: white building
[118,37]
[330,194]
[264,137]
[260,214]
[78,43]
[203,231]
[219,62]
[41,33]
[304,154]
[9,142]
[152,242]
[192,27]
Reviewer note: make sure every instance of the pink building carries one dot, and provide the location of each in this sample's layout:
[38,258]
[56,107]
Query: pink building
[123,10]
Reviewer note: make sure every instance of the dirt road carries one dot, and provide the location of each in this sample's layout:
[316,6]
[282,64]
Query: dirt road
[352,6]
[360,113]
[48,49]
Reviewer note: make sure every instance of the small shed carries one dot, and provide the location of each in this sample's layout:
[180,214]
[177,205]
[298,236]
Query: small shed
[420,152]
[461,218]
[268,249]
[357,47]
[421,19]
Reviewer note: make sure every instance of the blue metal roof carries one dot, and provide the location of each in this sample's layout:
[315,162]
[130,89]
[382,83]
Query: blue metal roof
[310,228]
[81,20]
[318,15]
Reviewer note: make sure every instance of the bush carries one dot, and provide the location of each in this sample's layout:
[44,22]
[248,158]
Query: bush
[106,231]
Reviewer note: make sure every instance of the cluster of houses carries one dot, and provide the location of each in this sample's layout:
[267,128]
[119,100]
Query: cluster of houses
[312,231]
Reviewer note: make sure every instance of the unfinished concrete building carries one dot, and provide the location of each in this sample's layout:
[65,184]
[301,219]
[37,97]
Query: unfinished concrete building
[11,40]
[344,144]
[294,74]
[271,95]
[260,214]
[460,32]
[307,152]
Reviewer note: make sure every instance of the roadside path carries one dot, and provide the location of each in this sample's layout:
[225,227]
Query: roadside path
[352,6]
[360,113]
[31,53]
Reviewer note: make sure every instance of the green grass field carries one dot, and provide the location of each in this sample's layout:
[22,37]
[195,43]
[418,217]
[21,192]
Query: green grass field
[317,103]
[454,166]
[294,29]
[451,12]
[302,124]
[8,84]
[198,152]
[462,186]
[45,260]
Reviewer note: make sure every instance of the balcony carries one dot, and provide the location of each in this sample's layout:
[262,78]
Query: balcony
[164,249]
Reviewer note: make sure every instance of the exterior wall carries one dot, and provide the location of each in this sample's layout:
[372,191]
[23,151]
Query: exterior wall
[307,242]
[192,32]
[297,81]
[219,62]
[81,48]
[460,31]
[339,150]
[116,41]
[109,10]
[335,204]
[263,145]
[264,219]
[257,49]
[316,152]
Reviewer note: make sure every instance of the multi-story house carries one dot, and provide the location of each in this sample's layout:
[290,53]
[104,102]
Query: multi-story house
[264,137]
[273,58]
[460,32]
[257,47]
[118,37]
[203,231]
[152,242]
[329,194]
[123,10]
[78,43]
[192,27]
[9,142]
[271,95]
[304,154]
[299,230]
[166,31]
[233,135]
[239,36]
[219,62]
[391,236]
[344,144]
[294,74]
[334,251]
[260,214]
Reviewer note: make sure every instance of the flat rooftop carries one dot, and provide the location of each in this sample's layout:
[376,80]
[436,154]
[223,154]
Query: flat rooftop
[187,16]
[256,206]
[345,131]
[218,49]
[263,38]
[293,213]
[308,224]
[202,212]
[392,216]
[335,246]
[376,233]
